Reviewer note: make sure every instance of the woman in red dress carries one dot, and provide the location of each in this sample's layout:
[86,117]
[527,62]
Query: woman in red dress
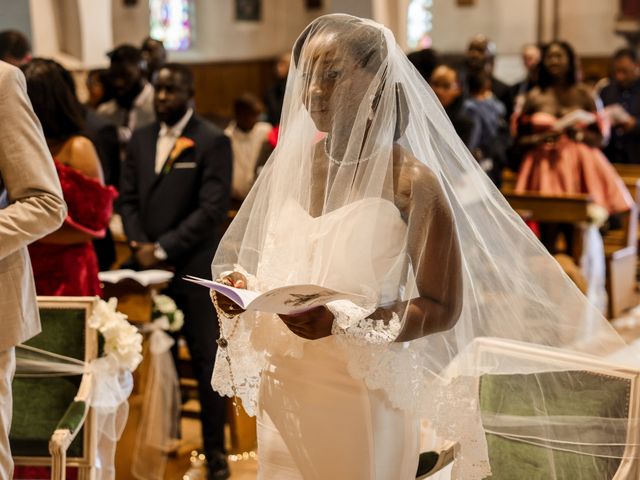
[65,262]
[559,129]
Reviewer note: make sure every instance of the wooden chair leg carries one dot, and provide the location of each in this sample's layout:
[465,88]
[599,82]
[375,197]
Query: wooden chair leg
[86,473]
[58,451]
[58,445]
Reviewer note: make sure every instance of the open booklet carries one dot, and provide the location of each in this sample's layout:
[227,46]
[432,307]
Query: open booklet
[617,114]
[574,118]
[143,277]
[287,300]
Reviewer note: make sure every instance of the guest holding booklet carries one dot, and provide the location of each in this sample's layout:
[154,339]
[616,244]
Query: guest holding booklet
[621,98]
[559,130]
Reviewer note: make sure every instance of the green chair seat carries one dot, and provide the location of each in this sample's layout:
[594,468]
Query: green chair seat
[39,404]
[33,425]
[574,393]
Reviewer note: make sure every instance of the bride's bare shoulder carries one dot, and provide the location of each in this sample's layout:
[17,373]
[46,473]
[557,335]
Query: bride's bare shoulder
[412,174]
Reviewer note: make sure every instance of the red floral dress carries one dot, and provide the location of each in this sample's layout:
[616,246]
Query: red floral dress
[72,270]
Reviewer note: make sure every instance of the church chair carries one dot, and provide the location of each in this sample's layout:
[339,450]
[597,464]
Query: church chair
[52,422]
[590,387]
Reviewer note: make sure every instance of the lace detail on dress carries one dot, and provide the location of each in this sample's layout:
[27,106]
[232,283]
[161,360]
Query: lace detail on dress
[247,362]
[256,335]
[454,413]
[351,321]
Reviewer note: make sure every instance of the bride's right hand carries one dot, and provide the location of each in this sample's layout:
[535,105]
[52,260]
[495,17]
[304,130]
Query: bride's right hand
[236,280]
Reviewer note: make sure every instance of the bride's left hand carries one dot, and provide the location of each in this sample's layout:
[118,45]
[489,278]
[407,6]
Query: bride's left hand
[312,325]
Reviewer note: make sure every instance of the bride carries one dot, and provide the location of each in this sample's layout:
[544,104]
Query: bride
[370,191]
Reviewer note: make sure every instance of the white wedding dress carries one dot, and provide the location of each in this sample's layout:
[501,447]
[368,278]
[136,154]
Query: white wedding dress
[315,421]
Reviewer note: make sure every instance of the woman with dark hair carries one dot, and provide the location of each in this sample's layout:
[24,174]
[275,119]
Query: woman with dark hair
[560,132]
[65,263]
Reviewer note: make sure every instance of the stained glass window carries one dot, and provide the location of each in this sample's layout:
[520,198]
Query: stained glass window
[171,23]
[419,24]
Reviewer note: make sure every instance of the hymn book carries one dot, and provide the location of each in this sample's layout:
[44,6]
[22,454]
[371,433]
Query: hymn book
[287,300]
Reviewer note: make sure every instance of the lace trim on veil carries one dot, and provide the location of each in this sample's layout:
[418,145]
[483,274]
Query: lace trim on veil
[255,334]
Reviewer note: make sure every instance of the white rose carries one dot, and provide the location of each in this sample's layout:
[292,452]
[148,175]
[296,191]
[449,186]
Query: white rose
[178,321]
[164,304]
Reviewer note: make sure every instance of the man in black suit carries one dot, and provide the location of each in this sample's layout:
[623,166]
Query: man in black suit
[175,190]
[624,91]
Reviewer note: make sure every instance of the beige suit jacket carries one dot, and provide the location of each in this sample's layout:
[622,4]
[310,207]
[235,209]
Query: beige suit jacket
[31,206]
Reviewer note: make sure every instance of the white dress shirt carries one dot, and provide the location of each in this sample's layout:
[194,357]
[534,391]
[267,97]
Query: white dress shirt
[246,147]
[167,139]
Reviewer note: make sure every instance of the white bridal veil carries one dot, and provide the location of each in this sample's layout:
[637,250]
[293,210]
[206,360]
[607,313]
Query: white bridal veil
[442,258]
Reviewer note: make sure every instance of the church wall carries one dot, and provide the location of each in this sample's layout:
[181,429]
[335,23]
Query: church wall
[15,15]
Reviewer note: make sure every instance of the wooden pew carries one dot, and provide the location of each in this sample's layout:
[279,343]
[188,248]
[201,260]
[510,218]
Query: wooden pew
[621,248]
[539,207]
[508,180]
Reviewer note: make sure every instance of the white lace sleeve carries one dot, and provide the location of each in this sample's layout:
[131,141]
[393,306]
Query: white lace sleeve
[353,322]
[238,366]
[251,337]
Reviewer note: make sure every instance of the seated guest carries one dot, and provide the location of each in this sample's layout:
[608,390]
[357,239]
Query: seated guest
[480,57]
[14,48]
[490,138]
[132,105]
[622,103]
[64,262]
[248,135]
[559,131]
[445,84]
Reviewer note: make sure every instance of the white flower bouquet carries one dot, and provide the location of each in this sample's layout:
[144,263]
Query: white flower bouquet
[122,341]
[166,310]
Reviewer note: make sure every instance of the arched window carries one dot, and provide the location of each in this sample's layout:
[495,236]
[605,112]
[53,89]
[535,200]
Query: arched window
[171,22]
[419,24]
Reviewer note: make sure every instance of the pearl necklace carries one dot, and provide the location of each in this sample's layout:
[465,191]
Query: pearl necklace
[342,162]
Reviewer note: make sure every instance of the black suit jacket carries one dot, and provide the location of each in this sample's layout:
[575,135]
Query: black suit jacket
[623,146]
[183,209]
[104,136]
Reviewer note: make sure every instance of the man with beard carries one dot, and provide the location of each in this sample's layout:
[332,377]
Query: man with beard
[175,191]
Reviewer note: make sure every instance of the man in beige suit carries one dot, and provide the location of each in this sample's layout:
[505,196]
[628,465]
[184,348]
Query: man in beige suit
[31,206]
